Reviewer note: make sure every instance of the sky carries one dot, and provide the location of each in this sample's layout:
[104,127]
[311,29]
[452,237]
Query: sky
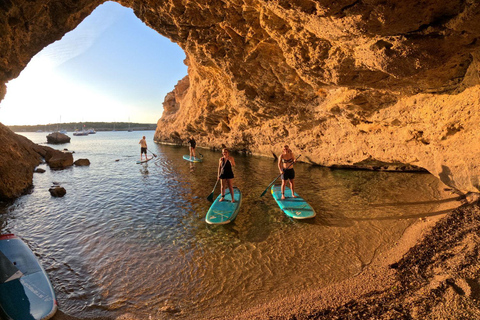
[111,68]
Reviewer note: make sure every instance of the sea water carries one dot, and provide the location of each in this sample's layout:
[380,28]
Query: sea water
[132,238]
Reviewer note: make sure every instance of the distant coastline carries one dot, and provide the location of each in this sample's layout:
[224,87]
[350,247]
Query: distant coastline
[72,126]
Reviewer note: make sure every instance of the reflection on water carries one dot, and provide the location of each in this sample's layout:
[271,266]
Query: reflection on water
[131,238]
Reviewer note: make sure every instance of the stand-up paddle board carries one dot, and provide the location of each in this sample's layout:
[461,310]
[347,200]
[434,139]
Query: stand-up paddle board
[25,290]
[223,212]
[143,161]
[296,208]
[192,159]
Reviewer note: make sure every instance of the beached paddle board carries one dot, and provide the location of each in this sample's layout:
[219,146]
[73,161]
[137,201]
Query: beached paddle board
[192,159]
[143,161]
[223,212]
[296,208]
[25,290]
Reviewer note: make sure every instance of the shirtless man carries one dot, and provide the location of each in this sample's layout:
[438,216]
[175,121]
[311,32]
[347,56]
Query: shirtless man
[285,165]
[143,148]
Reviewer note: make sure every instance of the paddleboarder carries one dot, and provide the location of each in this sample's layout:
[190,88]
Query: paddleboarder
[193,144]
[143,148]
[225,173]
[285,165]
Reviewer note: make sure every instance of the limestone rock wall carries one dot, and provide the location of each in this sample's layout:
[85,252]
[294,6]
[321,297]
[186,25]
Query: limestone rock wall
[18,159]
[341,82]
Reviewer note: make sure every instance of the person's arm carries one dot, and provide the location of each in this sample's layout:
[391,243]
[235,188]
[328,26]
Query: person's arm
[280,163]
[232,161]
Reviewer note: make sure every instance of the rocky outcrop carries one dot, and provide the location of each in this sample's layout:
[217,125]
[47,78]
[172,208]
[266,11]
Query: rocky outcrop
[57,138]
[343,83]
[18,159]
[58,159]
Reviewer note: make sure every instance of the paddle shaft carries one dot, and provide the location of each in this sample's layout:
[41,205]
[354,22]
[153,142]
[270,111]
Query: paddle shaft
[279,176]
[152,153]
[210,196]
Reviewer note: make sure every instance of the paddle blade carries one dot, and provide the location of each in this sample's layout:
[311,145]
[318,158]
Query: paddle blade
[263,193]
[210,197]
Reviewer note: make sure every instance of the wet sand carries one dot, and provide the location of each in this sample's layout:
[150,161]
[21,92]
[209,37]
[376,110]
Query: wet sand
[433,272]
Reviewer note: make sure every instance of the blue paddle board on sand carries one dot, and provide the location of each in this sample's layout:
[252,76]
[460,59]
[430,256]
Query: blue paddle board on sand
[25,290]
[296,208]
[143,161]
[192,159]
[223,212]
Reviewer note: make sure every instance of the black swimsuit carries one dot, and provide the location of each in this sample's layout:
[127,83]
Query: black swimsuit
[227,170]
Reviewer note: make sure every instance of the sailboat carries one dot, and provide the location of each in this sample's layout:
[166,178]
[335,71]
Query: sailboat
[129,130]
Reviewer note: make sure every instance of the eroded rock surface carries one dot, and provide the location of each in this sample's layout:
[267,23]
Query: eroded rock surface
[341,82]
[18,159]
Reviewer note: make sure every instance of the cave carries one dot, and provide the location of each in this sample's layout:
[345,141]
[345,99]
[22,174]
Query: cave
[350,82]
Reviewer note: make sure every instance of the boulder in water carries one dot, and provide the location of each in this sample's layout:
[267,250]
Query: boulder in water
[82,162]
[57,191]
[57,138]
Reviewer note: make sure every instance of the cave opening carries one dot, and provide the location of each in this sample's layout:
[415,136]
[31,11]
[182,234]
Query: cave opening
[110,68]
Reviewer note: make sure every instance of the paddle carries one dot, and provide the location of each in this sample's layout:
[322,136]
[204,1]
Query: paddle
[210,196]
[152,153]
[278,177]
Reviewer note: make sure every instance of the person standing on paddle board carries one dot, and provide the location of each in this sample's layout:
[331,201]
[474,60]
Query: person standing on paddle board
[285,165]
[193,144]
[225,173]
[143,148]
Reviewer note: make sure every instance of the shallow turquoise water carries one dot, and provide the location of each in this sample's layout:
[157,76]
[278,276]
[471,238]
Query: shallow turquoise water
[131,238]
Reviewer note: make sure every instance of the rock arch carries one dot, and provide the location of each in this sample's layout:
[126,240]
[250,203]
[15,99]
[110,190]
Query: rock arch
[345,83]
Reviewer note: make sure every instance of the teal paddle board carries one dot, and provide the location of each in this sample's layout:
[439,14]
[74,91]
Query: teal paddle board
[296,208]
[223,212]
[143,161]
[192,159]
[25,290]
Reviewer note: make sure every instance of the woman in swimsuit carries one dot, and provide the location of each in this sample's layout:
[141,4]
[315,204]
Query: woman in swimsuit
[225,173]
[193,144]
[285,165]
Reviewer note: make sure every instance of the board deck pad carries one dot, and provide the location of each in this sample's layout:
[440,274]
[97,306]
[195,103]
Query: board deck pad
[192,159]
[296,208]
[223,212]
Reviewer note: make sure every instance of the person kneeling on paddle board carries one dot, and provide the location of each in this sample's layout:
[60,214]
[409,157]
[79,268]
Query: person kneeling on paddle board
[193,144]
[225,173]
[285,165]
[143,148]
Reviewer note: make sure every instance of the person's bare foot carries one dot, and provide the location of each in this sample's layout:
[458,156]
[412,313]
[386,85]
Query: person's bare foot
[233,200]
[294,196]
[283,197]
[222,198]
